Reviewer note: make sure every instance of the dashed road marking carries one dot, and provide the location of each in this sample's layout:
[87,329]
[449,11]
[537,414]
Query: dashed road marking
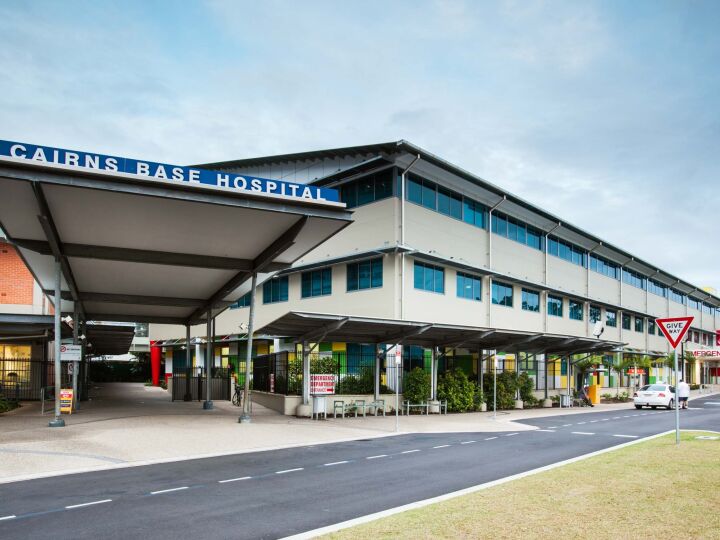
[377,457]
[581,423]
[616,418]
[582,433]
[335,463]
[441,446]
[290,470]
[409,451]
[234,479]
[566,425]
[627,436]
[467,442]
[87,504]
[552,427]
[510,434]
[168,490]
[593,421]
[490,438]
[546,430]
[626,416]
[4,518]
[604,419]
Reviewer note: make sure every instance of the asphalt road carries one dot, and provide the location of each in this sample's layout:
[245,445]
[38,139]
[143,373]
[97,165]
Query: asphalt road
[283,492]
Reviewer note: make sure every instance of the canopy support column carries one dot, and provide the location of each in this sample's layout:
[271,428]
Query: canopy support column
[545,361]
[433,374]
[57,421]
[76,365]
[245,416]
[306,374]
[208,404]
[378,360]
[188,365]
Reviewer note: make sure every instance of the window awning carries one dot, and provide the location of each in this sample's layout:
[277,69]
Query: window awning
[313,327]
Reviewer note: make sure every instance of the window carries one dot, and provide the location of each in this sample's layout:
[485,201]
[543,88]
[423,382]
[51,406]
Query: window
[651,327]
[576,310]
[605,267]
[555,305]
[567,251]
[639,324]
[656,288]
[449,203]
[676,296]
[531,300]
[243,302]
[429,278]
[316,283]
[595,314]
[473,213]
[275,290]
[516,230]
[368,189]
[611,318]
[633,278]
[468,286]
[365,275]
[626,321]
[691,302]
[502,294]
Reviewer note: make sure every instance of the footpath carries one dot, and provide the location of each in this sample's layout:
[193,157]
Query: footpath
[126,424]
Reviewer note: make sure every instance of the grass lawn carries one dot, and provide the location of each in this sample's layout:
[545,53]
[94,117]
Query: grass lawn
[649,490]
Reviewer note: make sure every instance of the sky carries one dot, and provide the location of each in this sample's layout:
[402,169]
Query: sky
[606,113]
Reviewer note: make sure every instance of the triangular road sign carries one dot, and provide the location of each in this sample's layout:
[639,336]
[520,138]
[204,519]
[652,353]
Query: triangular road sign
[675,328]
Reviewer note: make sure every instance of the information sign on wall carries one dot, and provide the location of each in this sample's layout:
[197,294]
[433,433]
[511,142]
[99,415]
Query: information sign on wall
[70,353]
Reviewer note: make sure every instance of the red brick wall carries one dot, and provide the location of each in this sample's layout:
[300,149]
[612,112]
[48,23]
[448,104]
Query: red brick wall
[16,281]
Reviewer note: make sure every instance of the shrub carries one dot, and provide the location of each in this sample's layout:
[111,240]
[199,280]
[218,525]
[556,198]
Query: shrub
[457,389]
[478,397]
[7,405]
[416,387]
[506,389]
[526,387]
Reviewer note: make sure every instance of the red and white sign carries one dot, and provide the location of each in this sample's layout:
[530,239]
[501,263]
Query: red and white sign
[322,384]
[638,371]
[717,338]
[711,353]
[674,328]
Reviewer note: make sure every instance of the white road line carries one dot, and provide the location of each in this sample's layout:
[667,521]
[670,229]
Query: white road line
[441,446]
[581,423]
[490,438]
[627,436]
[87,504]
[3,518]
[546,430]
[467,442]
[335,463]
[566,425]
[377,457]
[552,427]
[593,421]
[234,479]
[289,470]
[510,434]
[634,415]
[616,418]
[626,416]
[409,451]
[582,433]
[168,490]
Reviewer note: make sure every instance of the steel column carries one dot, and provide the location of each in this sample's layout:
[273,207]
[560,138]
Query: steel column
[245,416]
[57,421]
[208,404]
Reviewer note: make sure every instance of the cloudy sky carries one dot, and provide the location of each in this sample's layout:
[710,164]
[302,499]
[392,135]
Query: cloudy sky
[606,113]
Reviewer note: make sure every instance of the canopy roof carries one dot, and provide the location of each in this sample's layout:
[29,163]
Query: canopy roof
[26,327]
[109,339]
[314,327]
[136,248]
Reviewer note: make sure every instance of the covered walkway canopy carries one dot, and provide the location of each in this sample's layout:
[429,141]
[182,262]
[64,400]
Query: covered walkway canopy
[312,327]
[120,239]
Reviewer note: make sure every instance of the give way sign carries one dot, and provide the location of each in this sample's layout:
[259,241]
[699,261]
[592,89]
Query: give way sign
[675,328]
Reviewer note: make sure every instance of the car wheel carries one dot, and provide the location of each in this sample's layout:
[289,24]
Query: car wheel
[671,404]
[638,406]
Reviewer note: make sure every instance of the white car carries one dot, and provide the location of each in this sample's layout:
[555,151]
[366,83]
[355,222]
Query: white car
[654,396]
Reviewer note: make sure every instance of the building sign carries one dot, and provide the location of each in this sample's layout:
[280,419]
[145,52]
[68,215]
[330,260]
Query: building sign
[717,338]
[66,400]
[322,384]
[163,172]
[70,353]
[634,371]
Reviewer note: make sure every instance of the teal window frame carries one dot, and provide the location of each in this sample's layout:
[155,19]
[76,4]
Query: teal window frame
[611,318]
[468,286]
[275,290]
[594,313]
[502,294]
[314,283]
[530,300]
[365,275]
[428,277]
[555,305]
[626,321]
[575,310]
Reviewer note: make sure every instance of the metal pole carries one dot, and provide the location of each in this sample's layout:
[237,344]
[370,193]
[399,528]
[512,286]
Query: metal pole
[398,364]
[208,404]
[568,378]
[677,401]
[188,364]
[57,421]
[245,416]
[377,373]
[494,385]
[76,324]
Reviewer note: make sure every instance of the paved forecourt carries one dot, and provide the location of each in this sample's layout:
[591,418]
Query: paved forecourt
[258,494]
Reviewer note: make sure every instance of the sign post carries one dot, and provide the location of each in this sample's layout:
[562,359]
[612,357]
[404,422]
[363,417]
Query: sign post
[398,365]
[674,329]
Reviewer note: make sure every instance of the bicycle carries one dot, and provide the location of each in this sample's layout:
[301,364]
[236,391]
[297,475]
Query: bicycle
[238,396]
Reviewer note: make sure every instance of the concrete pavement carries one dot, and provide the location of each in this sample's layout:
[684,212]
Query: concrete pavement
[129,424]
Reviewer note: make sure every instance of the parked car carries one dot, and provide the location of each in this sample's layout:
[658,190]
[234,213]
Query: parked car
[654,396]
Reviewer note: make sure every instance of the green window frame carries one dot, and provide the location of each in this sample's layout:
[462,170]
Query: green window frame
[275,290]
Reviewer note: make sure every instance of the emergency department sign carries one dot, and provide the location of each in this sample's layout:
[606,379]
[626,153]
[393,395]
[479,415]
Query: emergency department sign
[163,172]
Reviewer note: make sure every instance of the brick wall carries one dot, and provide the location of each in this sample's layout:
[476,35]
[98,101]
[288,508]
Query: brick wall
[16,281]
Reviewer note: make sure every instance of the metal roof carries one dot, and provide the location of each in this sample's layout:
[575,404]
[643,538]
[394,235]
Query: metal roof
[138,250]
[108,339]
[315,327]
[19,327]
